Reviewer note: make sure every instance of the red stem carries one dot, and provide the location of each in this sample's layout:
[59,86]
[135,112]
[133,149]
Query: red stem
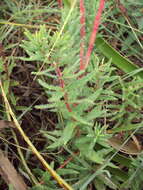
[60,3]
[68,160]
[94,32]
[82,33]
[62,85]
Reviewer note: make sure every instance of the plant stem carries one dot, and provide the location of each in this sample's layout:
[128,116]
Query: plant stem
[94,32]
[60,3]
[68,160]
[62,85]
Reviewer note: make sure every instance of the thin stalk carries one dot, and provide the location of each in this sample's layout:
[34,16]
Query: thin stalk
[14,24]
[94,32]
[34,180]
[60,3]
[62,85]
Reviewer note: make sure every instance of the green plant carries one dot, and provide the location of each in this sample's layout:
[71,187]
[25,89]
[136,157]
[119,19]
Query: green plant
[91,99]
[84,102]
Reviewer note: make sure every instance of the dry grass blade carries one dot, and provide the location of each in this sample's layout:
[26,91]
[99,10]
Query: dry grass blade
[5,124]
[128,148]
[60,181]
[10,175]
[25,25]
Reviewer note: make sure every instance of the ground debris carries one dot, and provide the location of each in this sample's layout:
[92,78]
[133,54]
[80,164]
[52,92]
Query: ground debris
[9,174]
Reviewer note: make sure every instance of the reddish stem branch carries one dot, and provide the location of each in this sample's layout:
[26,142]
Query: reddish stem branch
[82,33]
[60,3]
[59,74]
[62,85]
[121,7]
[93,34]
[68,160]
[67,103]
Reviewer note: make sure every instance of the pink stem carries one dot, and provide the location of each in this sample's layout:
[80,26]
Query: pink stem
[94,32]
[82,33]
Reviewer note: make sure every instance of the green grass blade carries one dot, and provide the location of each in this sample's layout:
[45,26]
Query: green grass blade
[126,128]
[117,59]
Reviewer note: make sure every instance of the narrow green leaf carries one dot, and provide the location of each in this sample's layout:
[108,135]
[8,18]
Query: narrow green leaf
[47,86]
[45,106]
[99,184]
[107,181]
[56,97]
[95,113]
[127,128]
[80,119]
[120,174]
[121,159]
[67,133]
[67,171]
[95,157]
[55,145]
